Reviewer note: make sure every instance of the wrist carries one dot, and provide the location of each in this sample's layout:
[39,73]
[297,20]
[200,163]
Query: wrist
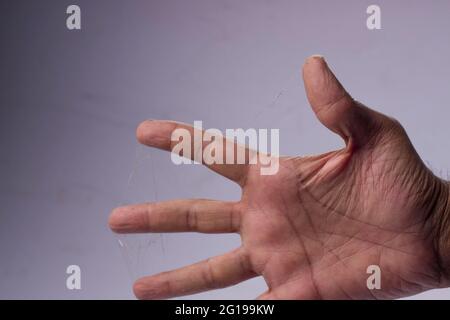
[442,231]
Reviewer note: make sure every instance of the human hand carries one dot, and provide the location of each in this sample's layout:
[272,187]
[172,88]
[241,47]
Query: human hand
[312,229]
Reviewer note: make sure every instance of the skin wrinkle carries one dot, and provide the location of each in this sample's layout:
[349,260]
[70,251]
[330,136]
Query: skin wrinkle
[324,193]
[147,215]
[364,240]
[236,216]
[342,259]
[335,255]
[298,275]
[308,259]
[329,105]
[370,166]
[362,179]
[208,275]
[306,213]
[191,218]
[350,218]
[313,281]
[244,261]
[385,171]
[341,245]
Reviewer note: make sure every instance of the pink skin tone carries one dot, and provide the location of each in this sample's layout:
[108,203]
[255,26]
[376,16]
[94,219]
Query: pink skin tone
[312,229]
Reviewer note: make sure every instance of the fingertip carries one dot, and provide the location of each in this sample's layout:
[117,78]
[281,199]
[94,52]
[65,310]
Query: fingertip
[156,133]
[143,289]
[142,129]
[315,60]
[125,219]
[315,73]
[115,219]
[138,290]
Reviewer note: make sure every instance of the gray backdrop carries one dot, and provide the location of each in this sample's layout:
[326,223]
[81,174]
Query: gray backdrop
[70,102]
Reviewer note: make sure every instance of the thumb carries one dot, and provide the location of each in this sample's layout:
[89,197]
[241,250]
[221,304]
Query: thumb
[334,107]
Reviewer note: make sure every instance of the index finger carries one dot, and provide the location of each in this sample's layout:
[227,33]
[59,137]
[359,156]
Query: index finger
[159,134]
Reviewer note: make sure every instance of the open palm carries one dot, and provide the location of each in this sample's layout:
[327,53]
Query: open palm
[314,228]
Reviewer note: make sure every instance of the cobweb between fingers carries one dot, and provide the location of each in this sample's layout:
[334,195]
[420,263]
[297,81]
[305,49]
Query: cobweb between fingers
[286,111]
[142,253]
[280,97]
[155,178]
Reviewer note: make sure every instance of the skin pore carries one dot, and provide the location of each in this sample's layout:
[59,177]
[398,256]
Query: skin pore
[312,229]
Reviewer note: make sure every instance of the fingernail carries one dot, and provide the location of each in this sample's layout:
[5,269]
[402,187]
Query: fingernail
[318,56]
